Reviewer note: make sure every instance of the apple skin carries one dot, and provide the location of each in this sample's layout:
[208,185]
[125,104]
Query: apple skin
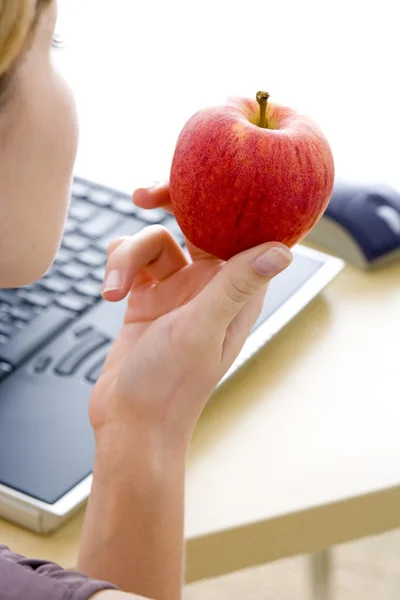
[235,185]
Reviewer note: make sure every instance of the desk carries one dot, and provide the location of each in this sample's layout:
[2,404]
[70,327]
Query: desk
[300,451]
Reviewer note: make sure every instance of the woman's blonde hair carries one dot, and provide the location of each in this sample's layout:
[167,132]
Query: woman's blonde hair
[18,20]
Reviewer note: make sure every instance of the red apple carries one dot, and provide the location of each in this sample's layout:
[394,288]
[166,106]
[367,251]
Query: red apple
[247,173]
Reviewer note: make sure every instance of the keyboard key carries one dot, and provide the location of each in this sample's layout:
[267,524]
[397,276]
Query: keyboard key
[5,316]
[101,197]
[79,353]
[42,363]
[75,242]
[5,369]
[74,302]
[95,372]
[98,274]
[22,314]
[81,211]
[153,216]
[174,228]
[20,292]
[63,256]
[35,334]
[69,227]
[89,287]
[59,285]
[92,258]
[104,223]
[8,296]
[74,271]
[127,227]
[82,330]
[124,205]
[6,329]
[104,243]
[40,299]
[5,311]
[79,189]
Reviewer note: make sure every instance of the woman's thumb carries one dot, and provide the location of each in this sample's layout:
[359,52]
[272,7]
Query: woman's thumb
[226,294]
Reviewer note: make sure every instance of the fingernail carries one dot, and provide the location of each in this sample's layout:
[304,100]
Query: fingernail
[273,260]
[112,282]
[150,185]
[137,192]
[155,184]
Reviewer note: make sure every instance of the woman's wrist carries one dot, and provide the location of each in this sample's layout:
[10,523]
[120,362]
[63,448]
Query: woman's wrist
[148,452]
[133,533]
[118,421]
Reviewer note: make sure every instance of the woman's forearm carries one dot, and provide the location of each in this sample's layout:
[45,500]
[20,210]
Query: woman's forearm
[133,531]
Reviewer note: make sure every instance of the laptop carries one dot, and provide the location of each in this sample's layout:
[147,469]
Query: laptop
[54,338]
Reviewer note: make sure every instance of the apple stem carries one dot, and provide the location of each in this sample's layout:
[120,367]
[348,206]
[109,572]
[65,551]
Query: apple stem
[262,99]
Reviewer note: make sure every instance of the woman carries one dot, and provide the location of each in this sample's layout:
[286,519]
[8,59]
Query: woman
[184,326]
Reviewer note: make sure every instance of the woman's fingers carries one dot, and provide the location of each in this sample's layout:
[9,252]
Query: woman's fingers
[153,197]
[142,278]
[238,331]
[113,245]
[237,281]
[152,253]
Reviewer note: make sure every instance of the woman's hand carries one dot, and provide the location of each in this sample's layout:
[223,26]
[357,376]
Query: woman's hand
[185,323]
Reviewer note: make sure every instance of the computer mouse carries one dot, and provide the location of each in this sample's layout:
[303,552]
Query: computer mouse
[361,224]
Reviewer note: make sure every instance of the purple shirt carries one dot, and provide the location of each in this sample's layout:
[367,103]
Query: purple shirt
[27,579]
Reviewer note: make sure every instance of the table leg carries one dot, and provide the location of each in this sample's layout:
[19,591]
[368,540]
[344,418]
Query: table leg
[321,570]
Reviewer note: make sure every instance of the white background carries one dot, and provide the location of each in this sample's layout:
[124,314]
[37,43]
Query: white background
[141,68]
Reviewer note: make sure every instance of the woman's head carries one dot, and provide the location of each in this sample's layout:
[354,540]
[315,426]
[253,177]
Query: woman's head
[38,140]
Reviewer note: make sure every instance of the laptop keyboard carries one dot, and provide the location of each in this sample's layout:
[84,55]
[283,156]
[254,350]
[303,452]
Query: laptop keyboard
[31,315]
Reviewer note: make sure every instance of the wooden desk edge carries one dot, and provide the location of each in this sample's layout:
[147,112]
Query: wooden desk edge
[317,528]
